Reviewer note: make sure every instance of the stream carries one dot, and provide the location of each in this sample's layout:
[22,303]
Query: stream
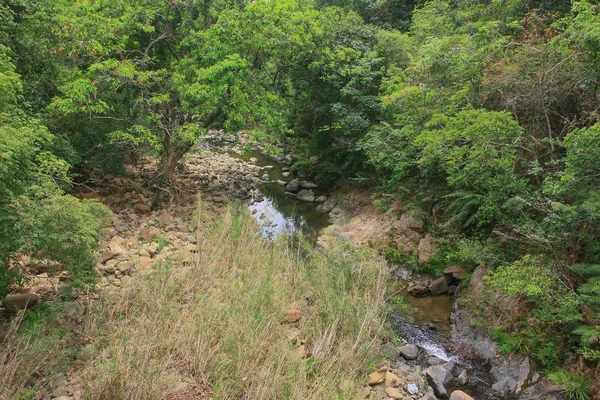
[427,325]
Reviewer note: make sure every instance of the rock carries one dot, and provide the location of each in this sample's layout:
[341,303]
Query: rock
[191,239]
[412,388]
[306,195]
[437,377]
[307,185]
[90,196]
[149,233]
[463,377]
[408,222]
[460,395]
[510,374]
[16,302]
[291,315]
[409,352]
[476,285]
[438,286]
[543,392]
[280,182]
[142,209]
[107,255]
[455,272]
[389,351]
[426,248]
[417,288]
[292,185]
[377,377]
[63,398]
[394,393]
[452,367]
[106,269]
[452,290]
[321,199]
[433,360]
[125,267]
[393,380]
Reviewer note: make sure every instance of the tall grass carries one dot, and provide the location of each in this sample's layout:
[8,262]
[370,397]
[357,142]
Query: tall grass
[216,322]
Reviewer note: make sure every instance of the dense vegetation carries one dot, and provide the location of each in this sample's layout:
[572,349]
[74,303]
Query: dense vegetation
[483,115]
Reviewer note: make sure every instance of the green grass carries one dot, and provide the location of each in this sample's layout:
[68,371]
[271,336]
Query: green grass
[577,384]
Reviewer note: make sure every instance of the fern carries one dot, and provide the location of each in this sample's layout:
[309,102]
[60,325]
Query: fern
[590,270]
[586,332]
[465,207]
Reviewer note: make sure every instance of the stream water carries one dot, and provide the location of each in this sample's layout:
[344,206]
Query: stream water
[428,325]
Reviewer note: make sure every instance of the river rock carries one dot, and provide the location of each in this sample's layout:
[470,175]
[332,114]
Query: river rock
[417,288]
[438,286]
[292,186]
[321,199]
[307,185]
[16,302]
[455,272]
[463,377]
[437,376]
[409,352]
[281,183]
[426,248]
[460,395]
[510,374]
[306,195]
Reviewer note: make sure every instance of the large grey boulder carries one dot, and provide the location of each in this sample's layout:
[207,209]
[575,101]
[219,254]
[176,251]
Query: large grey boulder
[510,374]
[306,195]
[437,376]
[292,185]
[307,185]
[409,352]
[438,286]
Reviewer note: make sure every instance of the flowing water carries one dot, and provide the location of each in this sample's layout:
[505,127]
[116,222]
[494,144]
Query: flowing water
[427,326]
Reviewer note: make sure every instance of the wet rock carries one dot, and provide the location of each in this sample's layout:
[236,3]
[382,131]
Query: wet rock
[142,209]
[460,395]
[306,195]
[510,374]
[16,302]
[452,290]
[417,288]
[437,376]
[433,360]
[463,377]
[292,186]
[426,248]
[438,286]
[409,352]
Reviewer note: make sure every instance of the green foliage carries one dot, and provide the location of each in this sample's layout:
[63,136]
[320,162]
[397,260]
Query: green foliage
[577,384]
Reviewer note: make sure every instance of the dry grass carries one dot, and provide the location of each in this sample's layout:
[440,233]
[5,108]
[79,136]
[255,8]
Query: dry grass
[216,322]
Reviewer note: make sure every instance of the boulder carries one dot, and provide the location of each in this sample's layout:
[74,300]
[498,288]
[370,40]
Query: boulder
[426,248]
[307,185]
[125,267]
[455,272]
[107,255]
[149,233]
[377,377]
[291,315]
[409,352]
[321,199]
[476,285]
[292,186]
[306,195]
[16,302]
[437,376]
[510,374]
[393,380]
[142,209]
[417,288]
[438,286]
[460,395]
